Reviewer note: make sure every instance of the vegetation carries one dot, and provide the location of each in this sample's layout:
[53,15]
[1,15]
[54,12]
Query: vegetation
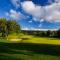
[28,51]
[51,34]
[28,45]
[8,27]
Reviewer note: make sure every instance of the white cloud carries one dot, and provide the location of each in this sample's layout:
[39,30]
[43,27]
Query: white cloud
[25,28]
[34,19]
[15,15]
[38,29]
[57,0]
[49,13]
[30,21]
[41,20]
[40,25]
[32,9]
[52,12]
[16,3]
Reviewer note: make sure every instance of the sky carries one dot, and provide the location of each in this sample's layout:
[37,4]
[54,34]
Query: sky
[32,14]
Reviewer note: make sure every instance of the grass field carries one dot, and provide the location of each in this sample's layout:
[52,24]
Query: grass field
[29,48]
[33,39]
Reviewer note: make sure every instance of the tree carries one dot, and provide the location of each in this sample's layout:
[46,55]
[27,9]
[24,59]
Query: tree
[8,26]
[3,27]
[48,33]
[58,33]
[13,26]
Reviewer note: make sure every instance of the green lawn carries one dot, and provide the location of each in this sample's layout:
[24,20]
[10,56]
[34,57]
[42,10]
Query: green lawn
[33,48]
[33,39]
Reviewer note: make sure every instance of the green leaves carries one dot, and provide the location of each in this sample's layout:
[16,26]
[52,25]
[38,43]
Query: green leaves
[8,26]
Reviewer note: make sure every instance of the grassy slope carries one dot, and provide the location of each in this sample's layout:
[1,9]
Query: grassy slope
[28,50]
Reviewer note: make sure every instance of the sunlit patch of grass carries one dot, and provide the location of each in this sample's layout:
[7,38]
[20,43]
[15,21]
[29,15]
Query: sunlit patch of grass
[18,37]
[32,39]
[41,40]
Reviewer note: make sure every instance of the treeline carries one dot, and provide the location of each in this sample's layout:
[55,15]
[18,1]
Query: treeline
[8,27]
[49,33]
[52,34]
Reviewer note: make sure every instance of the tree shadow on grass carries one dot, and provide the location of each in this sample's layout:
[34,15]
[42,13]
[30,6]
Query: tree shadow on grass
[6,57]
[29,49]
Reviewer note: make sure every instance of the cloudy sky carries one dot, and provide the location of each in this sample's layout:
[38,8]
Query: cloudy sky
[32,14]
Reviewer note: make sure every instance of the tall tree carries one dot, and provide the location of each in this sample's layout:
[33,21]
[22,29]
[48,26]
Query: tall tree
[58,33]
[13,26]
[3,27]
[8,26]
[48,33]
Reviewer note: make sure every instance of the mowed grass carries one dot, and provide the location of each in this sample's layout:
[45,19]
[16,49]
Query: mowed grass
[42,40]
[28,51]
[33,39]
[29,48]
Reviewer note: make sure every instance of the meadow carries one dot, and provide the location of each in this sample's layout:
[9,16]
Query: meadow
[28,47]
[33,39]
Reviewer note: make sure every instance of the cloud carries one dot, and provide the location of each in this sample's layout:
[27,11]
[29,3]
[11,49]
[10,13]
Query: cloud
[49,13]
[31,28]
[52,12]
[30,21]
[42,20]
[15,15]
[57,0]
[40,25]
[25,28]
[50,1]
[32,9]
[38,29]
[16,3]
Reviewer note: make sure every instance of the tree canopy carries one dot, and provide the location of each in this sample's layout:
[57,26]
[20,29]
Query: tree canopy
[8,27]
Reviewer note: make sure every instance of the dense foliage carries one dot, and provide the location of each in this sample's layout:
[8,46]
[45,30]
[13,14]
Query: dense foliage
[52,34]
[8,27]
[49,33]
